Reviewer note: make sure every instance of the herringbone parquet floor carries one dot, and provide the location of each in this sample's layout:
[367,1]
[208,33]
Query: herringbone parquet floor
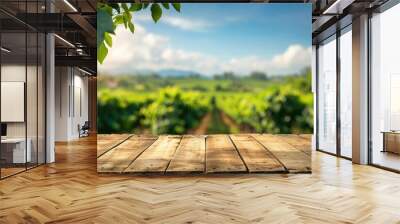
[71,191]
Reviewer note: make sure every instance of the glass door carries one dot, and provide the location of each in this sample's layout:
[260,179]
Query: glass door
[327,95]
[14,144]
[385,89]
[22,78]
[346,92]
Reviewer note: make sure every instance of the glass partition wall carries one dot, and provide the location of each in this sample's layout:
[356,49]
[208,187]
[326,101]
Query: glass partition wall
[22,77]
[385,89]
[345,90]
[327,95]
[334,94]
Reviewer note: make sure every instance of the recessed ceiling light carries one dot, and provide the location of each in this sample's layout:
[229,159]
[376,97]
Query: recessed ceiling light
[84,71]
[337,7]
[70,5]
[5,50]
[64,40]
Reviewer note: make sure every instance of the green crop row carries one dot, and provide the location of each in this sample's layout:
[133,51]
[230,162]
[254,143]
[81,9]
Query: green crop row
[170,111]
[282,105]
[280,110]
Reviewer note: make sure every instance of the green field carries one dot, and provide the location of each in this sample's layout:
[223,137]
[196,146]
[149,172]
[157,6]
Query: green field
[194,104]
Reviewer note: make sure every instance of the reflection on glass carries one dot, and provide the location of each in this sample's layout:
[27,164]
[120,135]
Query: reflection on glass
[41,99]
[22,90]
[31,100]
[385,114]
[15,151]
[327,96]
[346,93]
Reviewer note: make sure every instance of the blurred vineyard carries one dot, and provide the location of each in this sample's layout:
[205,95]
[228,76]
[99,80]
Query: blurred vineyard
[194,104]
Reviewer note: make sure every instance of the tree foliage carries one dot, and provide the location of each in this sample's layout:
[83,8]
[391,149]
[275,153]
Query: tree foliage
[259,75]
[112,15]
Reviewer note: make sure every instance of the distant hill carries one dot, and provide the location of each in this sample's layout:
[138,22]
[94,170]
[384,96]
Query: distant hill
[176,73]
[165,73]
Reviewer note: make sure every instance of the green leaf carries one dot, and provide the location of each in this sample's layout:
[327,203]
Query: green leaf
[108,39]
[115,6]
[102,52]
[125,6]
[119,19]
[100,38]
[177,6]
[156,11]
[128,15]
[135,7]
[104,24]
[145,5]
[126,19]
[100,5]
[165,5]
[108,9]
[131,27]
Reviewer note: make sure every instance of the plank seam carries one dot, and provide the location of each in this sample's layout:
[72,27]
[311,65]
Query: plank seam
[180,141]
[139,155]
[304,137]
[114,146]
[205,154]
[237,150]
[273,155]
[295,147]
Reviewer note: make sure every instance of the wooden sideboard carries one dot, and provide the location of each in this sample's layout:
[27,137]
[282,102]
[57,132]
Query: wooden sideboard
[391,142]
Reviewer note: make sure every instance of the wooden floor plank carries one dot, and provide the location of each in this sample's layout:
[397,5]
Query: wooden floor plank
[293,159]
[221,155]
[257,158]
[106,142]
[190,155]
[306,136]
[156,158]
[120,157]
[298,142]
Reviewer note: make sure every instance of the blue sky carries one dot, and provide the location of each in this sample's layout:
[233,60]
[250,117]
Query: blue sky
[227,36]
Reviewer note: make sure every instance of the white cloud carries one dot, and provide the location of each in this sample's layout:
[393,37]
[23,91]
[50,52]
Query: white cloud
[148,51]
[295,58]
[186,24]
[182,23]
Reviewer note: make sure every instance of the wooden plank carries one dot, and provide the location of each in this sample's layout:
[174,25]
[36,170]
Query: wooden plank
[293,159]
[120,157]
[222,156]
[306,136]
[256,156]
[190,155]
[298,142]
[157,157]
[106,142]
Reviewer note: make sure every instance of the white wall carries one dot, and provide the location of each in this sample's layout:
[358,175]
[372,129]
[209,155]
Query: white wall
[62,81]
[15,73]
[33,126]
[71,94]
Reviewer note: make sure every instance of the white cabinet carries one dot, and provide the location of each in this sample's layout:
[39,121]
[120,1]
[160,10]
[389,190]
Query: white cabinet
[19,155]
